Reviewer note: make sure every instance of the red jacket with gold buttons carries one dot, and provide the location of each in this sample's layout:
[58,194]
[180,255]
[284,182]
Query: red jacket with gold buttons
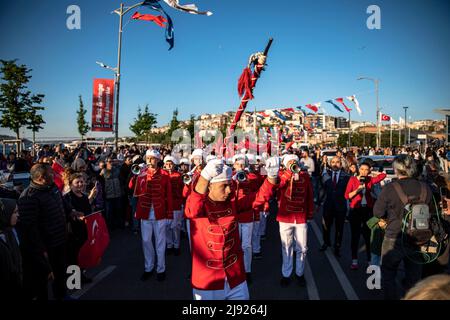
[296,199]
[177,189]
[216,248]
[155,190]
[242,189]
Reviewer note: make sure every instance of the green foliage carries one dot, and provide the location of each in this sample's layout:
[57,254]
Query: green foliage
[83,125]
[18,105]
[144,122]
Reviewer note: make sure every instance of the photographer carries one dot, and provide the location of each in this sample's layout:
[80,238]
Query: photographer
[396,245]
[361,205]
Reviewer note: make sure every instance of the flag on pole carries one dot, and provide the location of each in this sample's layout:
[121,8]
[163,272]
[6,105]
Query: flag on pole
[356,102]
[312,107]
[92,251]
[385,117]
[155,5]
[341,101]
[190,8]
[334,105]
[159,20]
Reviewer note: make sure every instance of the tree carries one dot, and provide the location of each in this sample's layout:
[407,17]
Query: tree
[83,125]
[34,124]
[191,126]
[174,124]
[17,104]
[144,122]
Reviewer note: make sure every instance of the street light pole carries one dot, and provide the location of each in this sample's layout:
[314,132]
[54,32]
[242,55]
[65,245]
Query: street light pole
[119,51]
[406,119]
[376,81]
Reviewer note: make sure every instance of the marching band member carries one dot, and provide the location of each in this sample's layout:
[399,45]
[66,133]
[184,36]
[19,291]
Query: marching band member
[217,259]
[197,163]
[174,227]
[296,206]
[255,169]
[154,207]
[245,216]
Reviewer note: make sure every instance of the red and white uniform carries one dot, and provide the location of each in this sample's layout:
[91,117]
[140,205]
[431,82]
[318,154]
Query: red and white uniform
[246,216]
[217,258]
[296,206]
[154,208]
[187,190]
[174,227]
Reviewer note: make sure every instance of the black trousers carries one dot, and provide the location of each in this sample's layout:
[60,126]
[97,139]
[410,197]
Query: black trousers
[393,252]
[328,218]
[358,225]
[35,279]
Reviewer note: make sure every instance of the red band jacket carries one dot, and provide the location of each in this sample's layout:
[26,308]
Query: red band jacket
[296,199]
[216,248]
[153,188]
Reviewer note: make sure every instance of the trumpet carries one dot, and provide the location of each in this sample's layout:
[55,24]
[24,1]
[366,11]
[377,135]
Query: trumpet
[187,178]
[241,176]
[294,167]
[137,168]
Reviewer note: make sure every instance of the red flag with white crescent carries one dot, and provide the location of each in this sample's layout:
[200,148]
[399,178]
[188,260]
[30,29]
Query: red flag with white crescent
[92,251]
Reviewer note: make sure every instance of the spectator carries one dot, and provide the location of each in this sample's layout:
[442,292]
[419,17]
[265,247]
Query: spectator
[432,288]
[79,201]
[359,192]
[10,257]
[112,195]
[42,234]
[396,246]
[335,206]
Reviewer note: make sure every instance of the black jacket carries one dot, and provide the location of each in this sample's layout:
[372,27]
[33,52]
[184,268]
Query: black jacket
[42,222]
[335,200]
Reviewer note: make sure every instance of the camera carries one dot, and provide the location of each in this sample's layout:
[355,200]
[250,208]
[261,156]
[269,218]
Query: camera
[362,180]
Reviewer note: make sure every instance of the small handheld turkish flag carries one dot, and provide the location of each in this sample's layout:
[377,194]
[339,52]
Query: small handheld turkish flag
[91,252]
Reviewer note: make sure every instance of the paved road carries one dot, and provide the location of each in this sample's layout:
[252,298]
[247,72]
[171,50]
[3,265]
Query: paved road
[328,277]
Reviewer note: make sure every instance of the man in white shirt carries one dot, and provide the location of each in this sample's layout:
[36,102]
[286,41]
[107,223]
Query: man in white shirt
[308,162]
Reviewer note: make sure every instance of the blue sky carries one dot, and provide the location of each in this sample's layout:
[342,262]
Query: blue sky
[320,48]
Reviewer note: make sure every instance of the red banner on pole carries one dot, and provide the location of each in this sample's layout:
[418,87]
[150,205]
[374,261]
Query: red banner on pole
[103,105]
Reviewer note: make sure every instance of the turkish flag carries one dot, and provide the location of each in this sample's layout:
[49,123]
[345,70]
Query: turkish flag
[58,170]
[385,117]
[91,252]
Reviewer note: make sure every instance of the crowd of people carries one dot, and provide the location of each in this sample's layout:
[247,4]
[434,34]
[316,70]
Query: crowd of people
[222,205]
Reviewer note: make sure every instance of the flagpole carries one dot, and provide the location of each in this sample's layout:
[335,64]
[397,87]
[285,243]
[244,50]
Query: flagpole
[349,130]
[390,129]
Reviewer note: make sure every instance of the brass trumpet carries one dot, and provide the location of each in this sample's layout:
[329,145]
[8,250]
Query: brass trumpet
[187,178]
[137,168]
[241,176]
[294,167]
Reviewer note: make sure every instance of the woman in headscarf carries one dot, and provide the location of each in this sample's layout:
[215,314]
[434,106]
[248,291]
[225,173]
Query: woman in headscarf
[10,257]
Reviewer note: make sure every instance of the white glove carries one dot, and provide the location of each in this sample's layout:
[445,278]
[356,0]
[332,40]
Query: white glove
[273,167]
[212,169]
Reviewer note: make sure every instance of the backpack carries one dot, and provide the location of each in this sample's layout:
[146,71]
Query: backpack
[416,219]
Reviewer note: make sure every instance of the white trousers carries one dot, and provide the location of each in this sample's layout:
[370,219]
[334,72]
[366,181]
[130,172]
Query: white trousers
[158,228]
[173,230]
[263,222]
[293,236]
[239,292]
[256,237]
[245,233]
